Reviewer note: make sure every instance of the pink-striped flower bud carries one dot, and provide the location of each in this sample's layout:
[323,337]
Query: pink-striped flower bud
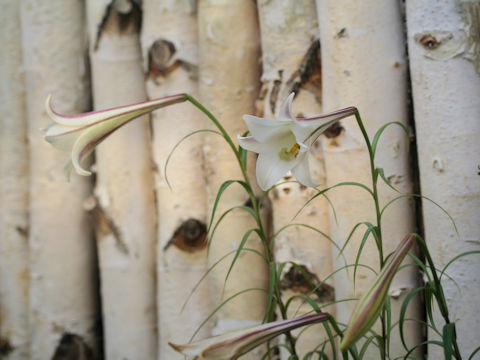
[235,343]
[371,303]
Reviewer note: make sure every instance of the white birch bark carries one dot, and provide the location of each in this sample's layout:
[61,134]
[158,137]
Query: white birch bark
[443,45]
[291,62]
[124,212]
[14,279]
[363,64]
[62,253]
[228,86]
[169,41]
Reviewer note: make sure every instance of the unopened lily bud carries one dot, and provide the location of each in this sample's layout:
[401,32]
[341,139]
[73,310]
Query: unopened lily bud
[235,343]
[371,303]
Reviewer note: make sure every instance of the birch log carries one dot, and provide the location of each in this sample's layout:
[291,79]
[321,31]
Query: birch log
[228,85]
[169,40]
[445,67]
[364,65]
[14,279]
[291,62]
[62,252]
[124,212]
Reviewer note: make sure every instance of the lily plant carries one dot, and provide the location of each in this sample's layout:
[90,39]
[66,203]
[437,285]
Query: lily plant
[235,343]
[283,144]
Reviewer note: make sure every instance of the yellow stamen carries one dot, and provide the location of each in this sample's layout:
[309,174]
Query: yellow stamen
[294,149]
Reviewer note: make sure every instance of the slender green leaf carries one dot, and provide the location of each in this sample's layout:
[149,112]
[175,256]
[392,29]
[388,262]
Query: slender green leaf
[177,145]
[379,132]
[448,334]
[403,311]
[456,258]
[474,352]
[219,307]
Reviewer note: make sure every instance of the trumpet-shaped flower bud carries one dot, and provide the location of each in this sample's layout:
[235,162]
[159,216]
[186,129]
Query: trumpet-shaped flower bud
[371,303]
[283,144]
[80,134]
[235,343]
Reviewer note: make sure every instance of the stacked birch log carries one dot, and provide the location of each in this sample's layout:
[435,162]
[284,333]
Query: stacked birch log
[101,267]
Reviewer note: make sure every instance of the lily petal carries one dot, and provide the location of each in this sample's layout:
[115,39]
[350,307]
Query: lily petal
[301,171]
[233,344]
[264,129]
[285,113]
[270,169]
[251,144]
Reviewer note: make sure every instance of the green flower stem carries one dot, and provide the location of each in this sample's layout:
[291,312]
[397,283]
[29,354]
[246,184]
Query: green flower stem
[384,348]
[256,209]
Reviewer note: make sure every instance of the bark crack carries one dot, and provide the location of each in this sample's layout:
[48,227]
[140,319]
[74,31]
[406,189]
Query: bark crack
[104,224]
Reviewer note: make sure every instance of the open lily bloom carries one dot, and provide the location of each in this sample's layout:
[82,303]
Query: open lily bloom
[80,134]
[371,303]
[238,342]
[283,144]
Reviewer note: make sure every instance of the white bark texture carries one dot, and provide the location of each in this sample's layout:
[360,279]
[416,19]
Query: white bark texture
[169,40]
[14,278]
[62,252]
[124,212]
[444,45]
[291,62]
[228,85]
[364,65]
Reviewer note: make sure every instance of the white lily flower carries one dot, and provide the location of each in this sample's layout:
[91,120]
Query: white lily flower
[283,144]
[80,134]
[235,343]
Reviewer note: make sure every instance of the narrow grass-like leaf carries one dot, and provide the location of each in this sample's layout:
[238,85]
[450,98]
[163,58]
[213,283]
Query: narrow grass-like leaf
[243,207]
[447,336]
[178,144]
[321,192]
[381,172]
[371,230]
[456,258]
[219,307]
[326,236]
[365,346]
[379,132]
[220,191]
[272,273]
[237,254]
[474,352]
[403,311]
[210,269]
[421,197]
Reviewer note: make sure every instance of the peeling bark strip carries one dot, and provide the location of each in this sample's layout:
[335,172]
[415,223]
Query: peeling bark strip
[104,224]
[309,73]
[72,347]
[190,236]
[121,17]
